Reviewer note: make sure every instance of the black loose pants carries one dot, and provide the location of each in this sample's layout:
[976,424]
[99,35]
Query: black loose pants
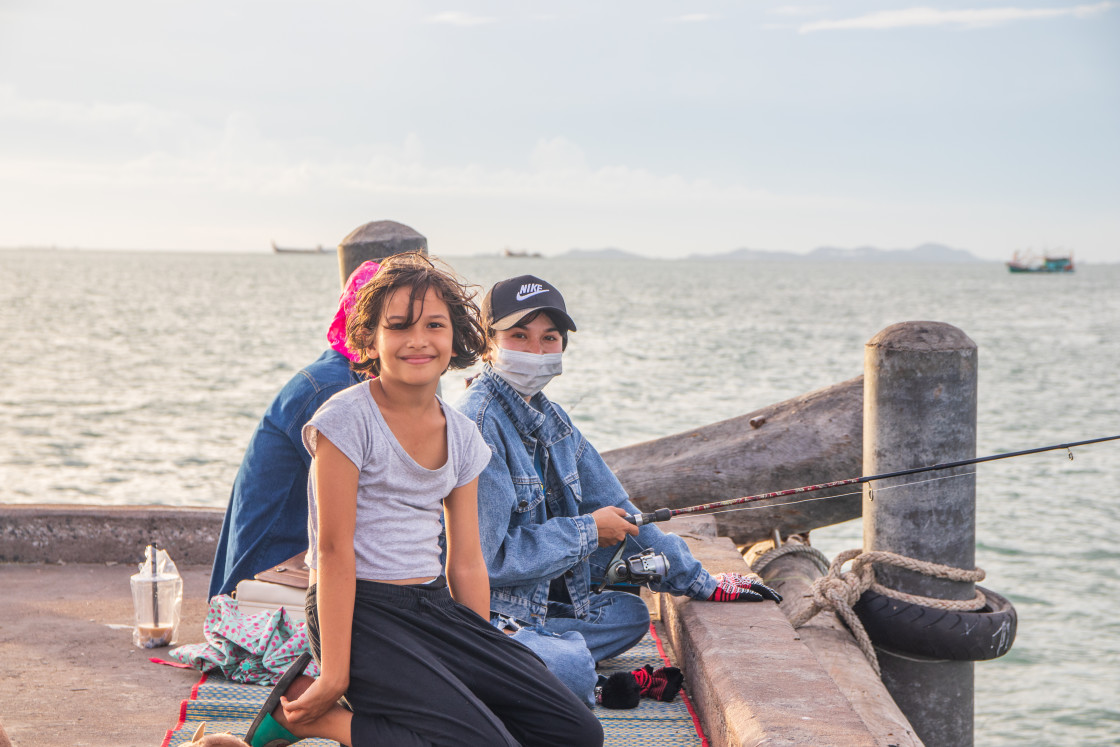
[425,670]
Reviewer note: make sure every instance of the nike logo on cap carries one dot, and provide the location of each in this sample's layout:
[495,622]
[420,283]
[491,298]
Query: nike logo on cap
[530,289]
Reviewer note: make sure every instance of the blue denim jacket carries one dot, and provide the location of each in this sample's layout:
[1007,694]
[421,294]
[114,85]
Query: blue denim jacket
[524,548]
[266,520]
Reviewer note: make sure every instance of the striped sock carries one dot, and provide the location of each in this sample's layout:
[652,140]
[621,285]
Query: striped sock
[661,684]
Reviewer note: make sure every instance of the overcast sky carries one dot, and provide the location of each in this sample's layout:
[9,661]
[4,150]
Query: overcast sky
[661,128]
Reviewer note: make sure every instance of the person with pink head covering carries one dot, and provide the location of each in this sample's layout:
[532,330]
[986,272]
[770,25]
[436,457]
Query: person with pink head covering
[266,520]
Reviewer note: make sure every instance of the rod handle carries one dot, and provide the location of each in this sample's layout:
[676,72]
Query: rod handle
[661,514]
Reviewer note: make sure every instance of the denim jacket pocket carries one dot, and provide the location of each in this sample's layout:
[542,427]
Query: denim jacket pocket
[574,489]
[528,497]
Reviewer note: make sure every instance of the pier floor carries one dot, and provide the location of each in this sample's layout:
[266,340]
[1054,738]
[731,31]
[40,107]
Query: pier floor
[71,676]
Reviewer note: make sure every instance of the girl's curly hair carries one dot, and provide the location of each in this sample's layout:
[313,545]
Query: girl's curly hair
[414,271]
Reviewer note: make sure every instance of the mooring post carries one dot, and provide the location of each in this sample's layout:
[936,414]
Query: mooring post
[920,409]
[376,241]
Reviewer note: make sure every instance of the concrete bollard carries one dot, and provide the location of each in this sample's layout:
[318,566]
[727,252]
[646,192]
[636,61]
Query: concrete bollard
[376,241]
[919,410]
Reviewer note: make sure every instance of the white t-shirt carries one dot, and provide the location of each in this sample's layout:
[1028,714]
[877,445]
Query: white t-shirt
[400,503]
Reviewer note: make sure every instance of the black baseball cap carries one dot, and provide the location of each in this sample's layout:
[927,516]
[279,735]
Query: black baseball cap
[510,301]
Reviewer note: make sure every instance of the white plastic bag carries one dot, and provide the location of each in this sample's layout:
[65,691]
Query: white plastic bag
[157,597]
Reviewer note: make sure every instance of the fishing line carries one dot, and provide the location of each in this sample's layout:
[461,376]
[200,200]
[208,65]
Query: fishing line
[838,495]
[664,514]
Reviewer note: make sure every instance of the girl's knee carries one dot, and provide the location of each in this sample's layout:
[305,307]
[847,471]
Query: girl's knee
[589,733]
[567,657]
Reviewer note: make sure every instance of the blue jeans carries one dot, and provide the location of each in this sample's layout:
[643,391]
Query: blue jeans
[616,621]
[570,646]
[566,656]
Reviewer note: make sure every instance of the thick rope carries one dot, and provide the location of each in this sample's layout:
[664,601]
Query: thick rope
[840,590]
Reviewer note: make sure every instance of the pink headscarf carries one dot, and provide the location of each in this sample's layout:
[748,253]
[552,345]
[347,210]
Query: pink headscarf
[336,335]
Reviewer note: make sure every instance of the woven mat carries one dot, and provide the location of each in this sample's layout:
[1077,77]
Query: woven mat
[228,706]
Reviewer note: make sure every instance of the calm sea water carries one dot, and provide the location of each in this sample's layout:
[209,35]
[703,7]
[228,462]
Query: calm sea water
[137,378]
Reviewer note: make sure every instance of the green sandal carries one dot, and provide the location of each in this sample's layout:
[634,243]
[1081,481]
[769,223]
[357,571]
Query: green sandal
[267,731]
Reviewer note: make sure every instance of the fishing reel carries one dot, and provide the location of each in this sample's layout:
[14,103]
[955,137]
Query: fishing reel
[644,568]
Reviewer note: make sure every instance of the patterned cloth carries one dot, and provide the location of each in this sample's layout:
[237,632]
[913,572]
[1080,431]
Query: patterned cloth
[254,649]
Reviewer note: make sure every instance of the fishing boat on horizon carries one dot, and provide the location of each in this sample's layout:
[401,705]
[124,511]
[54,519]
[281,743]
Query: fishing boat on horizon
[507,252]
[319,249]
[1047,263]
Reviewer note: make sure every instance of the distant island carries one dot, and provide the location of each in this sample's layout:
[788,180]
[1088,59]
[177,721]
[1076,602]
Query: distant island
[925,253]
[938,253]
[608,253]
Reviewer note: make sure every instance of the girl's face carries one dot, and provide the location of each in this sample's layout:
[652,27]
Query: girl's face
[539,336]
[417,354]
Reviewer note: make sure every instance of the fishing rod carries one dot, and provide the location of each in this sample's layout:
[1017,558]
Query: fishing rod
[664,514]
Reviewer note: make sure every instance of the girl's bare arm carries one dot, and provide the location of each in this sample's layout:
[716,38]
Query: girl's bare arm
[466,570]
[336,490]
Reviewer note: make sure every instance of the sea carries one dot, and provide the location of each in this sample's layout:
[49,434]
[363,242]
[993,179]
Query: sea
[135,378]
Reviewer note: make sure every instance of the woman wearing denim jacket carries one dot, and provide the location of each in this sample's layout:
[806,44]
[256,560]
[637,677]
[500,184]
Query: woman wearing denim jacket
[551,512]
[266,519]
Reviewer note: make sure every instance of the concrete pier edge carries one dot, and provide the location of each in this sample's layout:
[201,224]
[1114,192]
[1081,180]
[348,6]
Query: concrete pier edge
[49,533]
[752,680]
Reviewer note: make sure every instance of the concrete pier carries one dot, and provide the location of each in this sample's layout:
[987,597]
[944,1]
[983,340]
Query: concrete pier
[73,676]
[793,575]
[751,676]
[920,409]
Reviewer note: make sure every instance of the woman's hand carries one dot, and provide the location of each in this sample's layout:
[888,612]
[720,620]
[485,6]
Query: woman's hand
[612,525]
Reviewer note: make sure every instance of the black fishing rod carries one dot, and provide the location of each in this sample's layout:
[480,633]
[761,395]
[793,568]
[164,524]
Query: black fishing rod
[664,514]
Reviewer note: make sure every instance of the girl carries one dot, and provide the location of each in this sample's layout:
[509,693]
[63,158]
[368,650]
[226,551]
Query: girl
[408,646]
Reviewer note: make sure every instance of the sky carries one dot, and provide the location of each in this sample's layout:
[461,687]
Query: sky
[662,128]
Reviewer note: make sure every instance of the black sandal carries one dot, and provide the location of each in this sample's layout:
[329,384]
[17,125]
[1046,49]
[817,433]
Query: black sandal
[266,731]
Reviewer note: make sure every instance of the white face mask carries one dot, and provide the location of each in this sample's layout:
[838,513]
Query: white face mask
[527,373]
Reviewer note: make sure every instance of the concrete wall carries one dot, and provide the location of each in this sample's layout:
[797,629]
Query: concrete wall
[38,533]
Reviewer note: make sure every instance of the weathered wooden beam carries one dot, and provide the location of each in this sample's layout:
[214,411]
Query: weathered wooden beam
[810,439]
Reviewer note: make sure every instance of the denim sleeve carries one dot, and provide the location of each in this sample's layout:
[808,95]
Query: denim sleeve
[516,553]
[601,488]
[686,576]
[304,394]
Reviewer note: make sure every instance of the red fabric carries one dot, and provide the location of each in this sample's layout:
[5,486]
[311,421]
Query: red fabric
[175,664]
[183,707]
[684,696]
[645,681]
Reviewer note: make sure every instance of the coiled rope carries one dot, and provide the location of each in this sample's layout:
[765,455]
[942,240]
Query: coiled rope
[839,590]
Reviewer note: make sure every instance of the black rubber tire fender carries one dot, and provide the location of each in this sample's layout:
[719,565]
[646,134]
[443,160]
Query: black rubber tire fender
[908,628]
